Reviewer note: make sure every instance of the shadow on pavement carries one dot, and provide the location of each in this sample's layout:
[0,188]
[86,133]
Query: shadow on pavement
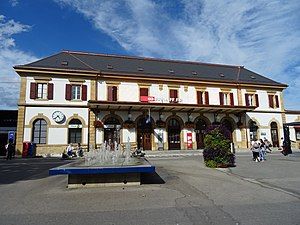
[26,169]
[151,178]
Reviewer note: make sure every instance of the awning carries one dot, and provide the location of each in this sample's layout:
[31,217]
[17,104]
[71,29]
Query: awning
[167,107]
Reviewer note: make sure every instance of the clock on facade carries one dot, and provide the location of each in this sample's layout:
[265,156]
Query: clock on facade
[58,116]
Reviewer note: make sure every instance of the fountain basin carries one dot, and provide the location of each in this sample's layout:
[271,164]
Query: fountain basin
[104,175]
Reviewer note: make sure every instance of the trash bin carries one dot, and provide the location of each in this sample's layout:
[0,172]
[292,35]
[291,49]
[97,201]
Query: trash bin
[32,150]
[26,147]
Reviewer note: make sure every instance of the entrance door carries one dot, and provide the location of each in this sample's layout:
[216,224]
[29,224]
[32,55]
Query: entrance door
[274,134]
[144,131]
[112,128]
[144,141]
[200,128]
[174,134]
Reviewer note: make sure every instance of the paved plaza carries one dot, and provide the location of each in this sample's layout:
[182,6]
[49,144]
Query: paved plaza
[184,191]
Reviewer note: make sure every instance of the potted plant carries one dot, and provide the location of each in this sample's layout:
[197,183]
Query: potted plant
[217,147]
[161,124]
[189,124]
[128,124]
[98,124]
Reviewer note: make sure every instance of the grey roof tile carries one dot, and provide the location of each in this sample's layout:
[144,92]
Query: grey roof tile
[151,67]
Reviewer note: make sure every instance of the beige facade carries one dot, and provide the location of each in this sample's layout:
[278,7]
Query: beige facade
[162,122]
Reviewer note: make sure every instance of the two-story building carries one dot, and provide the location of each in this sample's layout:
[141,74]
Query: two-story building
[156,104]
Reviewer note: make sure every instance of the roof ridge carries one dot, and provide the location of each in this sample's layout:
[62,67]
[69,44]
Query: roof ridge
[150,59]
[82,61]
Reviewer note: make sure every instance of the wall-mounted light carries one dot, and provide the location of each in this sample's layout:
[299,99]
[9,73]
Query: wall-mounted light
[161,116]
[216,118]
[190,117]
[129,115]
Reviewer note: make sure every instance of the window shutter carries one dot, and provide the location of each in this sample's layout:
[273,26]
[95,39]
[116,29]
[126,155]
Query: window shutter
[206,98]
[231,99]
[256,100]
[221,98]
[50,91]
[143,91]
[271,102]
[84,93]
[33,90]
[110,93]
[277,101]
[68,91]
[114,93]
[247,99]
[199,98]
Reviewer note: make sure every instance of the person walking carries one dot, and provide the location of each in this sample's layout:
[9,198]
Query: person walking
[267,145]
[255,150]
[79,150]
[10,150]
[262,150]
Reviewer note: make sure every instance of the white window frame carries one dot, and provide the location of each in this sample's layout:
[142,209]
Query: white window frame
[76,92]
[42,91]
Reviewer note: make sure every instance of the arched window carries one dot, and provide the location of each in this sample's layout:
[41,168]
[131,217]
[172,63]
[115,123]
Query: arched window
[39,131]
[75,131]
[274,134]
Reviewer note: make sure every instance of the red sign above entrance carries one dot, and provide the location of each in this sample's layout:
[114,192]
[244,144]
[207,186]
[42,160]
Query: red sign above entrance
[147,99]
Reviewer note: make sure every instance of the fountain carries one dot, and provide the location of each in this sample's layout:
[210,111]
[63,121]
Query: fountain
[108,165]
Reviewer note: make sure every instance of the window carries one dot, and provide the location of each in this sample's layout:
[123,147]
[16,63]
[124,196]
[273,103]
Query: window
[41,91]
[76,92]
[75,131]
[144,94]
[39,132]
[226,98]
[297,130]
[251,100]
[273,101]
[202,98]
[112,93]
[174,96]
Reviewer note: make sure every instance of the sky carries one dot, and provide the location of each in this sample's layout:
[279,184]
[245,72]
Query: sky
[263,36]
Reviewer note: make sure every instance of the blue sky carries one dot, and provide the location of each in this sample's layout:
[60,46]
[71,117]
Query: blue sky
[264,36]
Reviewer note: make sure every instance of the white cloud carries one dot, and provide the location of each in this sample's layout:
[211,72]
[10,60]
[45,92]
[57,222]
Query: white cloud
[262,35]
[10,55]
[14,2]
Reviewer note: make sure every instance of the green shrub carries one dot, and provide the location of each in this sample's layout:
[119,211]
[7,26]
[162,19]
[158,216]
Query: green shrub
[217,148]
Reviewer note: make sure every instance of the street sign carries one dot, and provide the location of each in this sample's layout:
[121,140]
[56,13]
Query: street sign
[11,135]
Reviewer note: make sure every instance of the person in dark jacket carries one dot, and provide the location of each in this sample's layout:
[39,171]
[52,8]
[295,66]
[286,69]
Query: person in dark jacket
[10,150]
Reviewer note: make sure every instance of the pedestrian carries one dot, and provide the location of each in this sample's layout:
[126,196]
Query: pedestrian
[70,151]
[262,150]
[79,150]
[284,150]
[267,145]
[10,150]
[255,150]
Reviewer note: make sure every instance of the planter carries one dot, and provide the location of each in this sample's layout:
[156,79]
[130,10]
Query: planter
[98,124]
[128,124]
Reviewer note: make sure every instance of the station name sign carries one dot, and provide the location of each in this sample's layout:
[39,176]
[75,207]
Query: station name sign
[162,100]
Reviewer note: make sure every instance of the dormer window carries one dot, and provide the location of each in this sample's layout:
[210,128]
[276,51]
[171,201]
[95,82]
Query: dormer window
[140,69]
[64,63]
[171,71]
[221,75]
[194,73]
[109,67]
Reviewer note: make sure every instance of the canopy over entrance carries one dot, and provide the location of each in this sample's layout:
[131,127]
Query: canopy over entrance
[167,107]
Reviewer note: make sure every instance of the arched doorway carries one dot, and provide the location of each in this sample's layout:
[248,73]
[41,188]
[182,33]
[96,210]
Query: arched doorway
[75,131]
[112,126]
[274,134]
[201,125]
[253,128]
[230,127]
[144,131]
[174,130]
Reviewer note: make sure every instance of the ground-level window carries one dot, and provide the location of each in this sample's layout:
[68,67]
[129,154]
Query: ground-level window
[75,131]
[297,130]
[39,132]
